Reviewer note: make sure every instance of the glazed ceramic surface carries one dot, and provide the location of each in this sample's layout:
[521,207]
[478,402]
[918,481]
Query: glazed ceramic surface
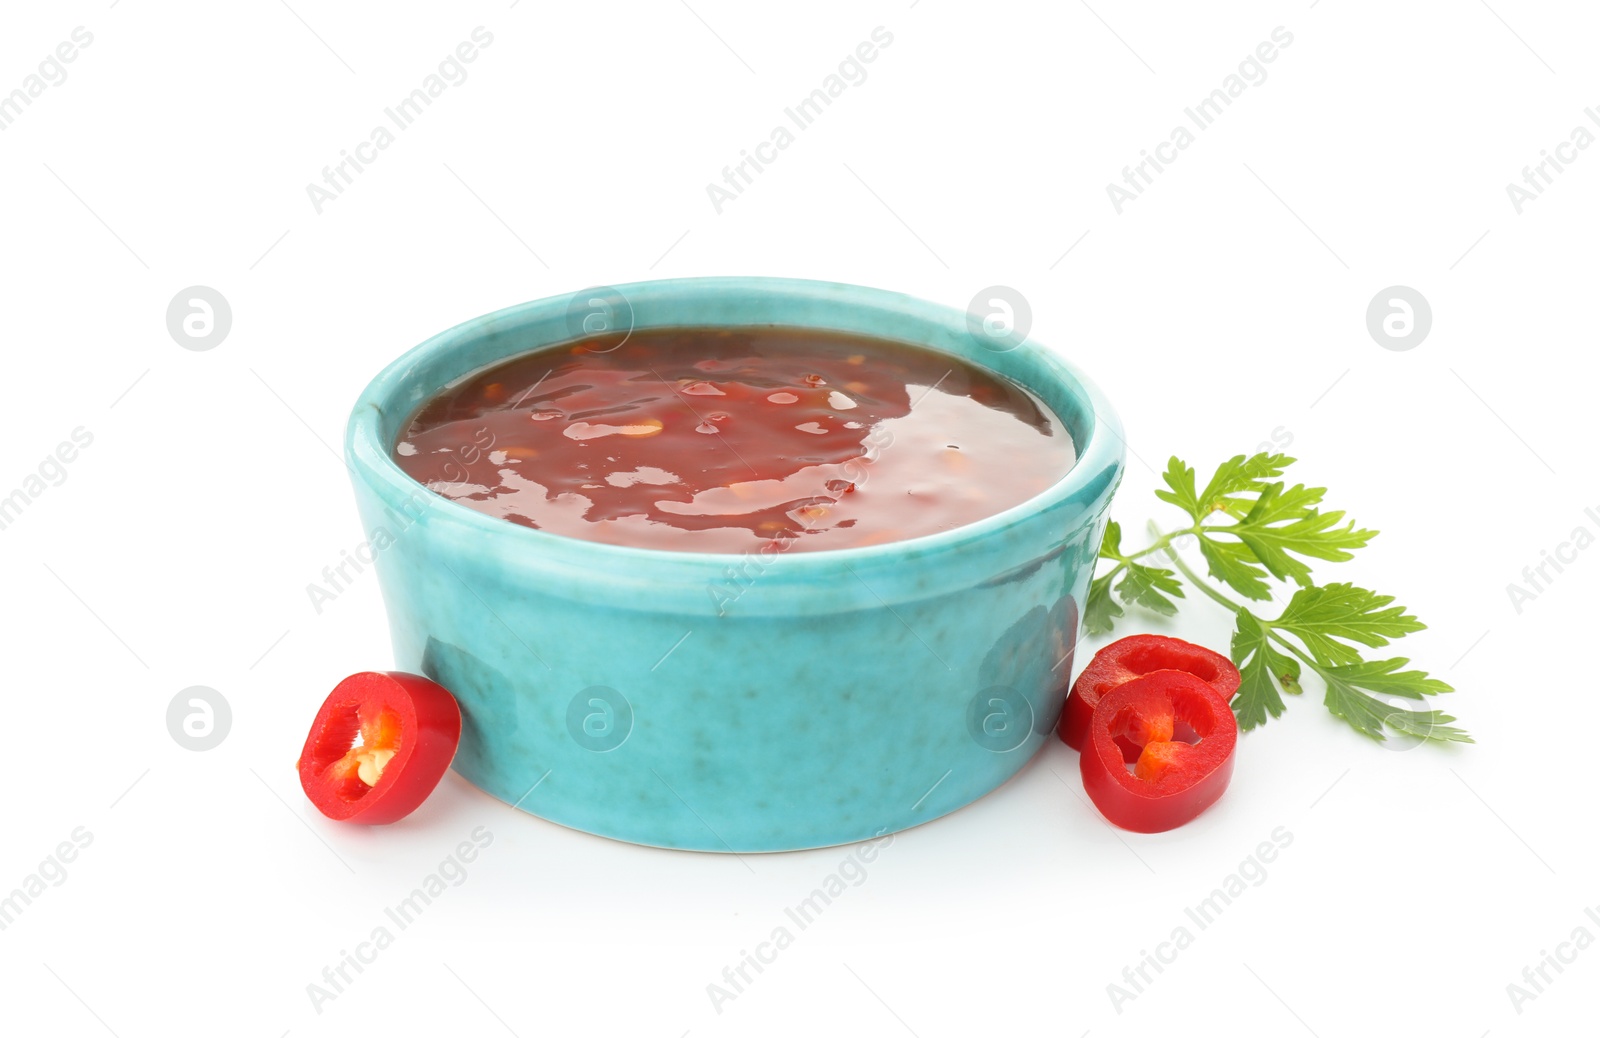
[754,702]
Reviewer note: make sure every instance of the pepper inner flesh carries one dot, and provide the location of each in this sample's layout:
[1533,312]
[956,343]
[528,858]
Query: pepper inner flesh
[1153,742]
[1158,757]
[373,741]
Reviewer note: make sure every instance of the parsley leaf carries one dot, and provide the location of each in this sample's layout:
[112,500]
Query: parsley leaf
[1235,566]
[1262,670]
[1427,724]
[1180,477]
[1284,521]
[1239,475]
[1348,696]
[1100,611]
[1111,543]
[1152,587]
[1325,618]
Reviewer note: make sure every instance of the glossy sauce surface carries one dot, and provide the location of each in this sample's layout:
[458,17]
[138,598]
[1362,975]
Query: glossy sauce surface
[735,440]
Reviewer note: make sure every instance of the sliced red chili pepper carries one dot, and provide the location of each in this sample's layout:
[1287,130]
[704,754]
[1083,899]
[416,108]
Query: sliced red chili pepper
[1127,658]
[1172,780]
[378,747]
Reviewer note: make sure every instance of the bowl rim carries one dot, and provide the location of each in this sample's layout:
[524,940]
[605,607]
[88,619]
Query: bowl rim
[369,456]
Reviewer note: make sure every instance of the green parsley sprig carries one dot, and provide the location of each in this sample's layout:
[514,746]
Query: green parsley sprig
[1251,526]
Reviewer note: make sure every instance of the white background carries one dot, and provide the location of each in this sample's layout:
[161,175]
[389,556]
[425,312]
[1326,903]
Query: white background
[1226,303]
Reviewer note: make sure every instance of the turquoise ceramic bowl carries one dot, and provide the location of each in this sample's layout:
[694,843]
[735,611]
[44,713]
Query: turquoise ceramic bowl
[732,702]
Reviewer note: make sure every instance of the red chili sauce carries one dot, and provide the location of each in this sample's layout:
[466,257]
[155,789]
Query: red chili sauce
[723,440]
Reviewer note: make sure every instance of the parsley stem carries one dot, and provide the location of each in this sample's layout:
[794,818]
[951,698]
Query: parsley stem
[1164,541]
[1194,579]
[1227,603]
